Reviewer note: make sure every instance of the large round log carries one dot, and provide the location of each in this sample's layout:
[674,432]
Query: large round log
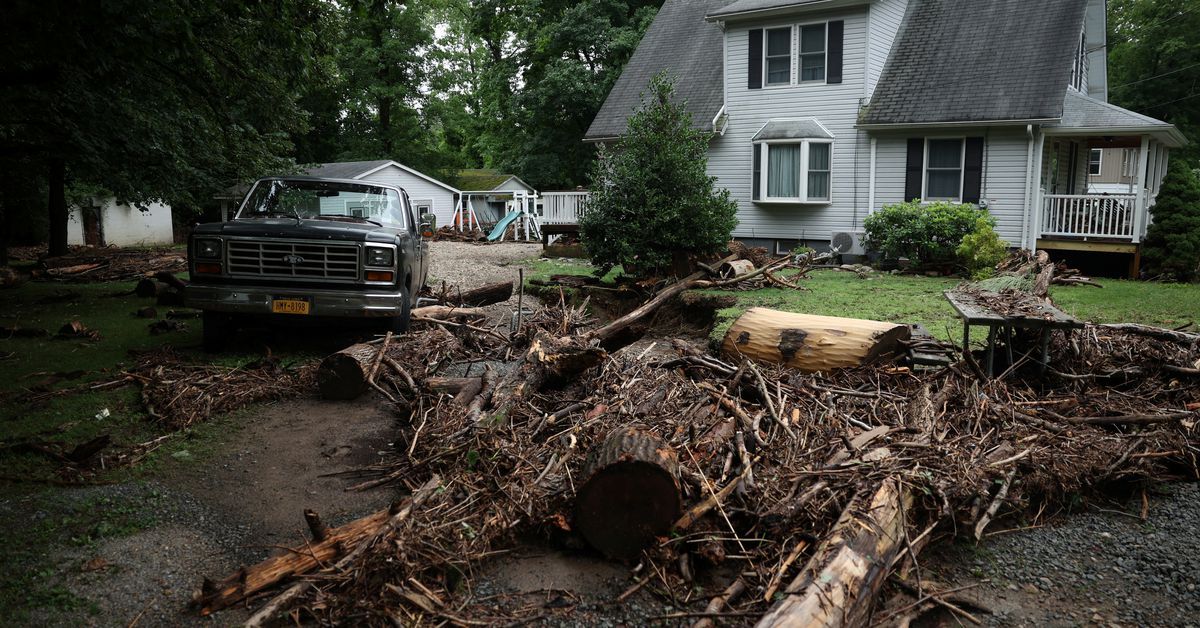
[809,342]
[343,375]
[629,494]
[485,295]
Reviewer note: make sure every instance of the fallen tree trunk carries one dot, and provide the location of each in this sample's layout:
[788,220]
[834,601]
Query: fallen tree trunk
[1182,337]
[347,542]
[810,342]
[840,582]
[446,312]
[343,375]
[485,295]
[629,493]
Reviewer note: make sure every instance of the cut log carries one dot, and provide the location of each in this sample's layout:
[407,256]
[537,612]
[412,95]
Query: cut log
[842,579]
[147,288]
[810,342]
[171,280]
[629,494]
[450,385]
[343,375]
[485,295]
[446,312]
[736,268]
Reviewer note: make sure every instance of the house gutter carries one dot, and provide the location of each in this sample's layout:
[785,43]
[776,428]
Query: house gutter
[1028,184]
[937,125]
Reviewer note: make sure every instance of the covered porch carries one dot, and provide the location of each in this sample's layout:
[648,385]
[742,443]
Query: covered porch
[1070,211]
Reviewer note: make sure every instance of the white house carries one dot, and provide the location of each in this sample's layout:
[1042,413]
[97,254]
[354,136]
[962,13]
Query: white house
[428,195]
[823,111]
[106,222]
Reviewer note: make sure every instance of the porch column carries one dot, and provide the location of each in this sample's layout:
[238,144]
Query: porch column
[1036,201]
[1139,210]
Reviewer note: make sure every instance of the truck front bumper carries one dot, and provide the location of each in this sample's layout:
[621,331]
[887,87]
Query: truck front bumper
[323,302]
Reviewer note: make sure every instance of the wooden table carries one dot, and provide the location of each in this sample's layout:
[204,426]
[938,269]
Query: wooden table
[1042,317]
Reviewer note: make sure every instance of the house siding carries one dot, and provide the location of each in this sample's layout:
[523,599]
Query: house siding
[1004,176]
[884,21]
[835,106]
[418,190]
[126,225]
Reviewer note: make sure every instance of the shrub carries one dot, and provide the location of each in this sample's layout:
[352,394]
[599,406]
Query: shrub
[651,197]
[1172,244]
[928,234]
[982,249]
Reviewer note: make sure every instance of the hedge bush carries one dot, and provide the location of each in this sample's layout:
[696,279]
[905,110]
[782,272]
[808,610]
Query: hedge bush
[1172,244]
[932,234]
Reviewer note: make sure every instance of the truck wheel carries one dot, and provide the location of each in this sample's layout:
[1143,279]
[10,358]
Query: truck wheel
[399,324]
[217,330]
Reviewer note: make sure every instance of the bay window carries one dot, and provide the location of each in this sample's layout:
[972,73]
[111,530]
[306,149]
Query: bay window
[793,171]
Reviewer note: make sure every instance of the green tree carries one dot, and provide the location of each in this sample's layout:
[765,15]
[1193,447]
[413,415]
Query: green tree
[1172,243]
[651,194]
[1154,62]
[169,100]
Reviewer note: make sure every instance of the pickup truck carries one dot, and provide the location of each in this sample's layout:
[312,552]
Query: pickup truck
[308,249]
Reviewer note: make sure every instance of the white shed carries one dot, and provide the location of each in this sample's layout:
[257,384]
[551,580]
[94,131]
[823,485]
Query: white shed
[491,192]
[428,195]
[106,222]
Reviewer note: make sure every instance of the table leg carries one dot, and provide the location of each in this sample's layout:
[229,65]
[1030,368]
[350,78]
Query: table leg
[991,349]
[1009,332]
[966,337]
[1045,350]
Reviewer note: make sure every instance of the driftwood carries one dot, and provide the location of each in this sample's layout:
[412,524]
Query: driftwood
[484,295]
[447,312]
[344,543]
[1182,337]
[809,342]
[850,565]
[628,494]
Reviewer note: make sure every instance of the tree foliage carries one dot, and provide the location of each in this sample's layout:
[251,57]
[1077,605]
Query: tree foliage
[1172,243]
[651,194]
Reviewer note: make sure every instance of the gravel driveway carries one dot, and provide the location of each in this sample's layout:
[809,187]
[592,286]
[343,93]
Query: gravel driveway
[467,265]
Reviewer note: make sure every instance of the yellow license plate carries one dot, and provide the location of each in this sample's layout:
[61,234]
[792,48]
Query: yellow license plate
[290,306]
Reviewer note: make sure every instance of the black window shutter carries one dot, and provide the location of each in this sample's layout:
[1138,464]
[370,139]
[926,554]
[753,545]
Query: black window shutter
[912,170]
[754,79]
[973,170]
[756,194]
[834,61]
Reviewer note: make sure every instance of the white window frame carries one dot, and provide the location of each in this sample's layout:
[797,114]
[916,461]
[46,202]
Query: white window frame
[765,169]
[962,168]
[794,52]
[1099,162]
[792,43]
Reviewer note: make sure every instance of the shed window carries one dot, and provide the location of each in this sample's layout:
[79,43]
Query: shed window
[794,171]
[943,169]
[778,56]
[812,52]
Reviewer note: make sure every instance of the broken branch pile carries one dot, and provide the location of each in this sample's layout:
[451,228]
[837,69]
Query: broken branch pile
[813,486]
[84,264]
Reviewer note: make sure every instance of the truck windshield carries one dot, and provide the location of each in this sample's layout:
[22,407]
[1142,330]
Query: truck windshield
[329,200]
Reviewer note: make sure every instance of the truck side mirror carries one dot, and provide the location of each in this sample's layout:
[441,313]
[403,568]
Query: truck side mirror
[428,225]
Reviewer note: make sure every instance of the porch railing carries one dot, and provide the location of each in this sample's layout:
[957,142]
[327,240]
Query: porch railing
[563,208]
[1089,215]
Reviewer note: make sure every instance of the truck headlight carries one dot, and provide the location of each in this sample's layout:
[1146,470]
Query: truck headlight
[208,248]
[377,256]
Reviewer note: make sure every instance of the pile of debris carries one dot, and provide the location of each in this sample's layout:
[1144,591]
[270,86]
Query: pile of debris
[454,235]
[740,488]
[87,264]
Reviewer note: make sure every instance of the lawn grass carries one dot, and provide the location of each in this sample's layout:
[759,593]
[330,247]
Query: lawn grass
[918,299]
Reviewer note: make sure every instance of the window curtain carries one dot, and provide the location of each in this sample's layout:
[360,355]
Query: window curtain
[818,171]
[783,171]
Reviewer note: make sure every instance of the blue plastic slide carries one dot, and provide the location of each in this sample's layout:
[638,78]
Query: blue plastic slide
[502,225]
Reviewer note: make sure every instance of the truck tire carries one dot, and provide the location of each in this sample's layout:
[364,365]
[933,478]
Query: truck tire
[399,324]
[218,327]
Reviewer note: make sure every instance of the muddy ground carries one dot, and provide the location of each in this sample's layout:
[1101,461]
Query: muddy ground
[238,498]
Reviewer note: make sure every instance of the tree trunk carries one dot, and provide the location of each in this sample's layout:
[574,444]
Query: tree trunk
[343,375]
[809,342]
[629,493]
[485,295]
[57,203]
[446,312]
[838,585]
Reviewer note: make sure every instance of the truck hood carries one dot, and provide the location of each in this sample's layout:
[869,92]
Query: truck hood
[303,229]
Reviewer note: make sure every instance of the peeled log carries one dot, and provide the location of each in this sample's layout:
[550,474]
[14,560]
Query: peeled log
[809,342]
[343,375]
[840,582]
[629,494]
[485,295]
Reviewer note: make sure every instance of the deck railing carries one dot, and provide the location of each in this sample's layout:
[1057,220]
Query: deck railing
[563,208]
[1089,215]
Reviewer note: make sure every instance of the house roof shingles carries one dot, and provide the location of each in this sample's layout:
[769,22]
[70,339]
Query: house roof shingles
[683,43]
[479,179]
[756,6]
[994,60]
[345,169]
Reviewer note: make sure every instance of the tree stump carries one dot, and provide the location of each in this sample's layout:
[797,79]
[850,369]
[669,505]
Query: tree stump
[343,375]
[809,342]
[629,494]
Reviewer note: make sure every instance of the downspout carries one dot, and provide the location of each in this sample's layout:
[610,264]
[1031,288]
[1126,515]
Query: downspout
[1028,187]
[871,182]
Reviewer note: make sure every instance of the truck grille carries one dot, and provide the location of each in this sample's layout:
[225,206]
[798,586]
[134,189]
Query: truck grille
[301,260]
